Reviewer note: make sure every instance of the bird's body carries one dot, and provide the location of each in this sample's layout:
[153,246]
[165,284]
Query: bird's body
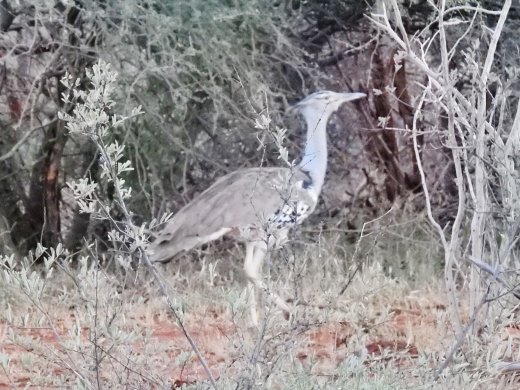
[257,205]
[247,204]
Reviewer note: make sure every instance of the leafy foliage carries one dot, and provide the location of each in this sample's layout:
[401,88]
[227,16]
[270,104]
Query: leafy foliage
[201,70]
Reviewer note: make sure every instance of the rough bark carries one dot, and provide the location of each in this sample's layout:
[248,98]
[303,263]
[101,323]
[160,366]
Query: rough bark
[81,221]
[384,143]
[42,204]
[412,178]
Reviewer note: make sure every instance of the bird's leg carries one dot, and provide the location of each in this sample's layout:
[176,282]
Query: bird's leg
[253,270]
[261,253]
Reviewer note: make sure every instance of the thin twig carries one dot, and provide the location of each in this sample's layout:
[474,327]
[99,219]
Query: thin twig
[22,140]
[356,250]
[461,337]
[459,175]
[481,183]
[162,284]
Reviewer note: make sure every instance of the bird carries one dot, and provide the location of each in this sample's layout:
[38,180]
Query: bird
[260,205]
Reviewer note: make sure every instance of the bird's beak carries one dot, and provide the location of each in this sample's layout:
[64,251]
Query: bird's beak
[349,96]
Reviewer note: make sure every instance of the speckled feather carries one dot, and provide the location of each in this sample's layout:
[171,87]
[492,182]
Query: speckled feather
[248,203]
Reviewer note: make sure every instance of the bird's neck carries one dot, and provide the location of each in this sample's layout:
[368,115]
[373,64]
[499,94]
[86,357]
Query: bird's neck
[314,159]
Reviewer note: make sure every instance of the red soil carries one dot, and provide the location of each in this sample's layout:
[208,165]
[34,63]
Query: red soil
[323,346]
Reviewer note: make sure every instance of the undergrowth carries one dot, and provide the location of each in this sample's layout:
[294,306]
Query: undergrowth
[89,328]
[368,313]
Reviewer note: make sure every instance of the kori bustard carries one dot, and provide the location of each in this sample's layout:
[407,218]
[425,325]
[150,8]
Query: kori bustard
[258,205]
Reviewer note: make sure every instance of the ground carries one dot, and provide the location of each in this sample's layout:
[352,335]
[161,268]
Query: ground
[380,333]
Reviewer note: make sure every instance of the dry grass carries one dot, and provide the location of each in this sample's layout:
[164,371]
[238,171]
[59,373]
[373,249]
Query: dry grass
[383,332]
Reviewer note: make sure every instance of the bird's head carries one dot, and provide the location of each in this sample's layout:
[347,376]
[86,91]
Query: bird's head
[326,102]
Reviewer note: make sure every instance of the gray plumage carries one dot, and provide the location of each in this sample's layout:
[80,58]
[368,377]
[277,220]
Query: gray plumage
[246,204]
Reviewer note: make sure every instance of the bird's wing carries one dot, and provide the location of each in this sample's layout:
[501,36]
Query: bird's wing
[241,199]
